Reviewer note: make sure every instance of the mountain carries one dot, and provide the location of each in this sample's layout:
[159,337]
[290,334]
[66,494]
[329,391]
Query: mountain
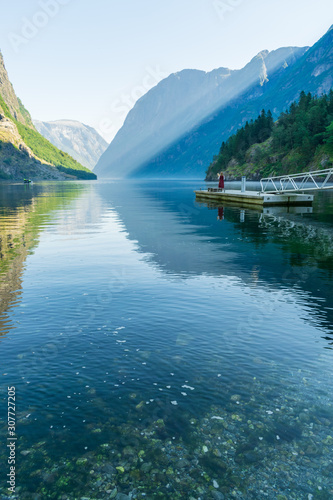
[23,151]
[192,153]
[300,140]
[80,141]
[179,103]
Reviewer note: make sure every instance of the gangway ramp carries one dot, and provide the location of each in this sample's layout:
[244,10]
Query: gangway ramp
[314,180]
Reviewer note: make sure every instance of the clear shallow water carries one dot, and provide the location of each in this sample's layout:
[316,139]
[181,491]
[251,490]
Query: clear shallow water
[189,346]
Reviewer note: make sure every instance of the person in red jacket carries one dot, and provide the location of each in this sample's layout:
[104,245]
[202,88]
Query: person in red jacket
[221,181]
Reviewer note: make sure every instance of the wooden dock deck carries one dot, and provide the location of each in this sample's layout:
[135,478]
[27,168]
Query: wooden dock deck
[254,198]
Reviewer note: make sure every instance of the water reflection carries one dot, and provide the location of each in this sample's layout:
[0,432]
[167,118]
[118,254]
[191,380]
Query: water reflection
[289,248]
[25,210]
[164,348]
[279,247]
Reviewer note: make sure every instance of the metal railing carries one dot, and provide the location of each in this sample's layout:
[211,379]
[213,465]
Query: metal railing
[305,181]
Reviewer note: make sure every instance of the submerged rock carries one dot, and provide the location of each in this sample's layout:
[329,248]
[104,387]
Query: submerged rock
[287,432]
[113,493]
[140,405]
[217,495]
[215,465]
[25,452]
[146,467]
[122,496]
[81,461]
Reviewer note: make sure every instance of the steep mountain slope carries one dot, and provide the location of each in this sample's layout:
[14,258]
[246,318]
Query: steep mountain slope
[17,160]
[300,140]
[80,141]
[8,98]
[178,103]
[192,154]
[23,151]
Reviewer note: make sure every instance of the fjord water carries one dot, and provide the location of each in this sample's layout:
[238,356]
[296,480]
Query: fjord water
[162,348]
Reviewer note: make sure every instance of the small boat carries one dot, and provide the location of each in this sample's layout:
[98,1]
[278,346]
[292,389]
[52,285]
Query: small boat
[27,181]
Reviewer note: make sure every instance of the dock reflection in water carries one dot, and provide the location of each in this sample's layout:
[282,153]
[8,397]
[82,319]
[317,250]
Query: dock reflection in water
[161,348]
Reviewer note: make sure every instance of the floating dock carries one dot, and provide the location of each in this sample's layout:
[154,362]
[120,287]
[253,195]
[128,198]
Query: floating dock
[254,198]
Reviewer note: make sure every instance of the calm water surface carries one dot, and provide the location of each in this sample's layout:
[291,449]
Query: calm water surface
[162,348]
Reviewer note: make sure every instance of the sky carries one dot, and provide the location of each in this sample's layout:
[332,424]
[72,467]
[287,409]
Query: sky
[91,60]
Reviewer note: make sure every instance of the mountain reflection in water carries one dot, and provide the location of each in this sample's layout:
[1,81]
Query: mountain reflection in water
[279,247]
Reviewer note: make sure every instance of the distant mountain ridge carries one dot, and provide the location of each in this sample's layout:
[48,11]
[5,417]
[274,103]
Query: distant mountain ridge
[23,151]
[75,138]
[178,103]
[192,153]
[271,81]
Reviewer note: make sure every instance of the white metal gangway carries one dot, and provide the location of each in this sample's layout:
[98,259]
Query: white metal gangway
[305,181]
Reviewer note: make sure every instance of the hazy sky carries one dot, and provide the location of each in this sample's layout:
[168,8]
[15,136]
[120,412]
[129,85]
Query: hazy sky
[89,60]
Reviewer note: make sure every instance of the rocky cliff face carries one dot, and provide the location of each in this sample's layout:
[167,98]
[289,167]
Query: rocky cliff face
[23,151]
[9,98]
[179,103]
[80,141]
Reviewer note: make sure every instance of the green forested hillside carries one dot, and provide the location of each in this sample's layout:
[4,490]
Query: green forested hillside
[301,139]
[25,152]
[43,149]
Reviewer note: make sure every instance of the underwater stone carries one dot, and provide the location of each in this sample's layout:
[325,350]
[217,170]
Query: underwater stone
[217,495]
[287,432]
[181,464]
[140,405]
[328,440]
[128,451]
[40,444]
[146,467]
[81,461]
[313,450]
[135,474]
[252,457]
[304,417]
[215,465]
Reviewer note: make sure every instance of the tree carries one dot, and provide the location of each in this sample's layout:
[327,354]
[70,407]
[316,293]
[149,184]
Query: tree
[328,138]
